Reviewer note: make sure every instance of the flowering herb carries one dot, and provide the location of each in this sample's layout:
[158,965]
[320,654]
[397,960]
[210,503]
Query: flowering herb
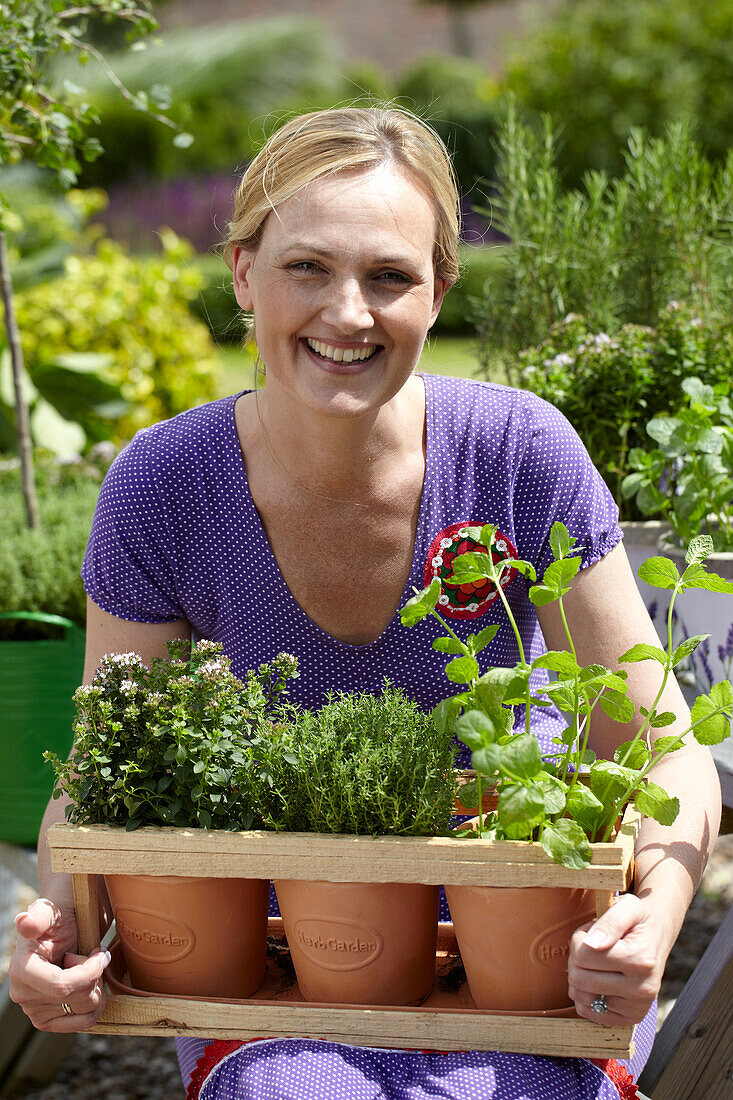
[176,744]
[547,798]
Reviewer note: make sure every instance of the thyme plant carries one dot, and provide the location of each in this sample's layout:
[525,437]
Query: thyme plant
[363,764]
[177,744]
[547,797]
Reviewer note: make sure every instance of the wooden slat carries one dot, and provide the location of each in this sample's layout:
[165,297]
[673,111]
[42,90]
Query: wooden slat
[383,1027]
[693,1053]
[96,849]
[86,904]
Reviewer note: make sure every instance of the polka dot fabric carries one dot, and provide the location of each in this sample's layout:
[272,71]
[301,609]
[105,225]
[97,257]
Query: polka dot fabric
[176,535]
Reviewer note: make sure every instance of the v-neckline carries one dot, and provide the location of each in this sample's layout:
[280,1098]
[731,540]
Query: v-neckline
[415,575]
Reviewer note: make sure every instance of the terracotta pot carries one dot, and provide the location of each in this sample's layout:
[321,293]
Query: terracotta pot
[515,942]
[361,943]
[193,936]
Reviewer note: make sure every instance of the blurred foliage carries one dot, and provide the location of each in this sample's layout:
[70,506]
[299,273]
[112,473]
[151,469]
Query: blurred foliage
[609,387]
[39,569]
[457,97]
[238,80]
[615,251]
[603,67]
[136,312]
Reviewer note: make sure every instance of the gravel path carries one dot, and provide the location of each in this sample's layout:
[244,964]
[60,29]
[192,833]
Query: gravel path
[122,1068]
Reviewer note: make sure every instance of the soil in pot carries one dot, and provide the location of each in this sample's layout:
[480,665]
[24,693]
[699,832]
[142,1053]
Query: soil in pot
[192,936]
[515,942]
[361,943]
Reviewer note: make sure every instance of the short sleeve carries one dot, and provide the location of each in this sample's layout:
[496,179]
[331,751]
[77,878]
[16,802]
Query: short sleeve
[556,480]
[129,565]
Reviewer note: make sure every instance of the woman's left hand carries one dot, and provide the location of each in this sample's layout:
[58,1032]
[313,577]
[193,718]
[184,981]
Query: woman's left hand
[620,956]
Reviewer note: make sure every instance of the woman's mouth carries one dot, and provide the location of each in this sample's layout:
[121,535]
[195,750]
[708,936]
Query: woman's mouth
[340,360]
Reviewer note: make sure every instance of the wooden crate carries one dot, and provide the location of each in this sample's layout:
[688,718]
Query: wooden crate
[88,851]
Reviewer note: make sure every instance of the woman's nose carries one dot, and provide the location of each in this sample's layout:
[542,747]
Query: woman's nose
[347,308]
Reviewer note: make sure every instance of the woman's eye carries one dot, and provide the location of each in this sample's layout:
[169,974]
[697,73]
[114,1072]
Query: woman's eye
[397,278]
[304,267]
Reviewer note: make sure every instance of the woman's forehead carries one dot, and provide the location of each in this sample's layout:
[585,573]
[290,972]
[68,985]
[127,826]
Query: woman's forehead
[385,204]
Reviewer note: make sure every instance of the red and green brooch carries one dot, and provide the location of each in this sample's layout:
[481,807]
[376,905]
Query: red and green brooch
[465,601]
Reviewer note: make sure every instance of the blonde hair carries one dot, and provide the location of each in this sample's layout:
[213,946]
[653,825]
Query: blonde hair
[347,139]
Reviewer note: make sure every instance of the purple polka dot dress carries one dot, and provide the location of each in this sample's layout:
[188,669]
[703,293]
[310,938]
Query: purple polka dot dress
[176,535]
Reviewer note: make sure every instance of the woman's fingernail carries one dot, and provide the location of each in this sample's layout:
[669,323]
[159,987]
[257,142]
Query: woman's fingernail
[107,958]
[595,940]
[19,915]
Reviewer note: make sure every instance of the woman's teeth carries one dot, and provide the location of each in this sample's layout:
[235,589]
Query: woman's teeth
[342,355]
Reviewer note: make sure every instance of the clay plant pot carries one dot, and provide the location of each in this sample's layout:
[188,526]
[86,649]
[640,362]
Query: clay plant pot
[515,942]
[361,943]
[192,936]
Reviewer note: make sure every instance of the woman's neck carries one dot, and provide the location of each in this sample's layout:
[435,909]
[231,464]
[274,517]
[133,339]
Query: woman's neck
[350,460]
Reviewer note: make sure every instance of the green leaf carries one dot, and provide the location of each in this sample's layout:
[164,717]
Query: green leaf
[491,688]
[644,652]
[462,670]
[560,541]
[617,706]
[450,645]
[584,807]
[633,754]
[421,604]
[553,793]
[482,639]
[476,729]
[687,647]
[668,744]
[540,595]
[520,809]
[699,550]
[666,718]
[713,728]
[557,660]
[659,572]
[566,844]
[444,715]
[697,576]
[524,567]
[521,758]
[654,802]
[468,795]
[486,760]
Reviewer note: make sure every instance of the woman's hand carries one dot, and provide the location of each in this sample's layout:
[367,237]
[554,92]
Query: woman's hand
[620,956]
[45,973]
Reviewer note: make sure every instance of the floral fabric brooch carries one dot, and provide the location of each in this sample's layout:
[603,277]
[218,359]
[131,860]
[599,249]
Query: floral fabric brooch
[465,601]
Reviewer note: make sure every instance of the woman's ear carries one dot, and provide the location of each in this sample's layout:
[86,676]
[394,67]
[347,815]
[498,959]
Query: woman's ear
[241,276]
[440,288]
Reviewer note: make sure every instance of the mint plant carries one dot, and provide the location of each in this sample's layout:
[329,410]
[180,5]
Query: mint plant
[179,743]
[688,476]
[568,798]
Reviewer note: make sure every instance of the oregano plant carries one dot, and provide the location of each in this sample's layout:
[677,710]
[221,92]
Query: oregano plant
[567,798]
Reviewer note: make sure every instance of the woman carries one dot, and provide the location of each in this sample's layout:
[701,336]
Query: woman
[301,517]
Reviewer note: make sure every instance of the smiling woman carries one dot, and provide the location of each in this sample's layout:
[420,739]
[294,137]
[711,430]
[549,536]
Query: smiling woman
[304,515]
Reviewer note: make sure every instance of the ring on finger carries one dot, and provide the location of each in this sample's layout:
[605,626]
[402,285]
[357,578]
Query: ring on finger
[68,1010]
[599,1005]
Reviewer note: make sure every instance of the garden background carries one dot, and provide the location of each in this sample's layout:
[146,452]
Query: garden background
[592,143]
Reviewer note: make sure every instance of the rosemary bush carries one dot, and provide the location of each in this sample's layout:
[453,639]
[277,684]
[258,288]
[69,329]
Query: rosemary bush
[364,764]
[176,744]
[615,251]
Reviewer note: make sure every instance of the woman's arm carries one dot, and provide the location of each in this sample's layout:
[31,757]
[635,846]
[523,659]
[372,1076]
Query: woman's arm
[624,954]
[45,972]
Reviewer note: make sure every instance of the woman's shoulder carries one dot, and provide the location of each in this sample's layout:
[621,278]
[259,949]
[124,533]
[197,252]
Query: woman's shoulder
[490,403]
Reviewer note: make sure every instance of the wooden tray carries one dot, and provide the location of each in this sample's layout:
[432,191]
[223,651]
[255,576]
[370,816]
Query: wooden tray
[448,1020]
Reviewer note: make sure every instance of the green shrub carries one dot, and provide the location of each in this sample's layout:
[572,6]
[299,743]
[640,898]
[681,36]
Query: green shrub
[614,251]
[137,311]
[477,266]
[610,386]
[457,97]
[365,764]
[603,68]
[39,569]
[237,79]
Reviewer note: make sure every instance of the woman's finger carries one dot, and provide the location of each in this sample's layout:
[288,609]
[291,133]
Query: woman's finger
[38,919]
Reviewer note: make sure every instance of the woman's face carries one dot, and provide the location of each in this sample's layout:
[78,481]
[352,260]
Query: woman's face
[343,290]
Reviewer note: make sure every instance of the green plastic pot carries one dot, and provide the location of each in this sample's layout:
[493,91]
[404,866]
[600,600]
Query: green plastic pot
[37,682]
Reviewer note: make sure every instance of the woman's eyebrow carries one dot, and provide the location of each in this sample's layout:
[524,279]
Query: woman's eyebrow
[308,246]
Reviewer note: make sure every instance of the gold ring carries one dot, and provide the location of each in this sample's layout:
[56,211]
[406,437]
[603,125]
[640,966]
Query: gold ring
[68,1010]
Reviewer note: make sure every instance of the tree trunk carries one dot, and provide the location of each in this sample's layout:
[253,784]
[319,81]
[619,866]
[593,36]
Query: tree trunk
[22,424]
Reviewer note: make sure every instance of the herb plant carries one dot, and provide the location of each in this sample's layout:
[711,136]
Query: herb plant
[176,744]
[688,476]
[363,764]
[548,798]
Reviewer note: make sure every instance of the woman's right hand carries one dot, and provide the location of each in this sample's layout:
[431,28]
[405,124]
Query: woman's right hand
[46,974]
